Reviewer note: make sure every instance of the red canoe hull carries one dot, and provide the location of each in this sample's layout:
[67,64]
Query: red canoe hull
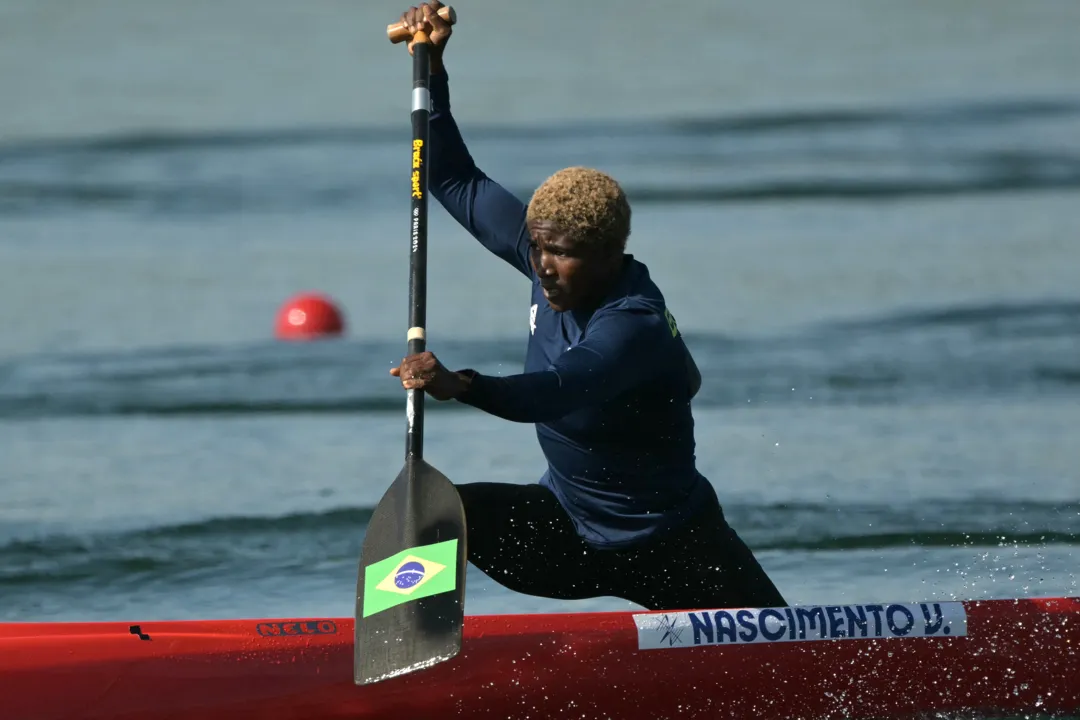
[1002,656]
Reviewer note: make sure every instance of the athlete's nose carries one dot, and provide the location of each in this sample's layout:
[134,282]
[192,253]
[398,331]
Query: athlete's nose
[547,263]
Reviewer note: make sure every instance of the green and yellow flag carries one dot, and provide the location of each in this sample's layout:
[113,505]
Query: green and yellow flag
[409,575]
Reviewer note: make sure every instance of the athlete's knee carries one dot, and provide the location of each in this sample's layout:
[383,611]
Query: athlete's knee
[472,500]
[476,498]
[487,510]
[469,491]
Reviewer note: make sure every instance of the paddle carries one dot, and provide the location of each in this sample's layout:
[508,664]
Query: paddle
[410,591]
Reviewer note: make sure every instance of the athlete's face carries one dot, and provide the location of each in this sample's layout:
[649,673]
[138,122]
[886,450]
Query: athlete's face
[573,273]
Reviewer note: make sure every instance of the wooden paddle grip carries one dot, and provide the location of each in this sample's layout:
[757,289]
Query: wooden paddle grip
[397,32]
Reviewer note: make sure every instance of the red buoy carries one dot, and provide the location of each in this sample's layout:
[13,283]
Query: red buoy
[308,316]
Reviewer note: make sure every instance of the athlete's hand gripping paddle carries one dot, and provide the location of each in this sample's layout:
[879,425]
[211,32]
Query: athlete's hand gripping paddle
[397,32]
[410,590]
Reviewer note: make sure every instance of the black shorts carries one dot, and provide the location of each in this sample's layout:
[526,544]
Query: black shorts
[520,537]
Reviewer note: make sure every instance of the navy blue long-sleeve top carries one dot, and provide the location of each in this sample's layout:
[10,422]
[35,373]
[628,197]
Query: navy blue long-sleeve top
[608,389]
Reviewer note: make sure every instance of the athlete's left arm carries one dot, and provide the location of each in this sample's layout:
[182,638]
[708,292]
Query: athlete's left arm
[621,349]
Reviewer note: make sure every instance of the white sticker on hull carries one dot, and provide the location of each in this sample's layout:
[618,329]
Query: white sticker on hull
[657,631]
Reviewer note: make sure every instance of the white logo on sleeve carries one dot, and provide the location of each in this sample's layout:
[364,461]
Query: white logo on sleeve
[532,320]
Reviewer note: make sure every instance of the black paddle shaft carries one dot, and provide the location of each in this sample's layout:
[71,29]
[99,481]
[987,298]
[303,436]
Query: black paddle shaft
[418,222]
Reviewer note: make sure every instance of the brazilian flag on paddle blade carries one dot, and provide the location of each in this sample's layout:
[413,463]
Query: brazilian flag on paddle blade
[410,575]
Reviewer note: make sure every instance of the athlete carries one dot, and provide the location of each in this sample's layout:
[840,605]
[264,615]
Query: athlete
[621,510]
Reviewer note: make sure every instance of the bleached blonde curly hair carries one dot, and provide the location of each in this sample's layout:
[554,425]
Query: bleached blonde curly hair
[585,204]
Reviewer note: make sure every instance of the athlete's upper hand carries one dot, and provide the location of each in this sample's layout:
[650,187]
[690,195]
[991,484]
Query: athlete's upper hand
[426,17]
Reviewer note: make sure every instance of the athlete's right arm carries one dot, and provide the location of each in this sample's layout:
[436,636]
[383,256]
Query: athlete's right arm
[483,207]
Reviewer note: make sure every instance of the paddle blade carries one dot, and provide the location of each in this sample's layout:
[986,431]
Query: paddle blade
[410,591]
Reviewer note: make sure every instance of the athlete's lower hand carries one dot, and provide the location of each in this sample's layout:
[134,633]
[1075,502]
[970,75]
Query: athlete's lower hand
[423,371]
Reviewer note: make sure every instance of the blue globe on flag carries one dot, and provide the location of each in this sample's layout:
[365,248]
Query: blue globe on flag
[409,574]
